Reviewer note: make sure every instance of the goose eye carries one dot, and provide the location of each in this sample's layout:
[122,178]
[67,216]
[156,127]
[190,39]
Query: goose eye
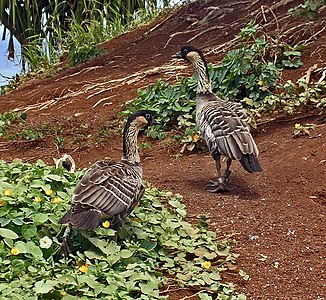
[148,116]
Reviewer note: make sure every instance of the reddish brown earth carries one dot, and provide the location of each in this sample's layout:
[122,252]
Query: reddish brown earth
[277,216]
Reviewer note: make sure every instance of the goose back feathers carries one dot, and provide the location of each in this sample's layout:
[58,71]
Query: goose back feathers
[111,189]
[223,126]
[221,123]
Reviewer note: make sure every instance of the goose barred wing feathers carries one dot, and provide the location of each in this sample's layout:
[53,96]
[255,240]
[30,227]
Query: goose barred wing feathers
[223,126]
[111,189]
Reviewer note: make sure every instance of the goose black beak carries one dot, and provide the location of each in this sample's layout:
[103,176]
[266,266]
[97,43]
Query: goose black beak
[154,122]
[177,55]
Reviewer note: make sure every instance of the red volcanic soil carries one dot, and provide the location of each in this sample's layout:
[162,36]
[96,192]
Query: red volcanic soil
[278,217]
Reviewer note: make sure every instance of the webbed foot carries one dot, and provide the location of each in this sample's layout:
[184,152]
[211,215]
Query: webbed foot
[64,250]
[218,186]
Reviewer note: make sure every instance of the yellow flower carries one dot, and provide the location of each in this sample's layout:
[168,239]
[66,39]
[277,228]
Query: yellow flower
[260,82]
[63,293]
[83,268]
[136,220]
[106,224]
[196,138]
[37,199]
[2,203]
[48,192]
[14,251]
[297,126]
[8,192]
[57,200]
[206,264]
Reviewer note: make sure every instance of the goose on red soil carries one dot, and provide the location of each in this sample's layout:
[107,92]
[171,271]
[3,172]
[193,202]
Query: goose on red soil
[221,123]
[108,189]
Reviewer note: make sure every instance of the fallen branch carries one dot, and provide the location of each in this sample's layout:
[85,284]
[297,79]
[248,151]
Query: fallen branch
[101,100]
[322,78]
[178,33]
[85,70]
[205,31]
[314,35]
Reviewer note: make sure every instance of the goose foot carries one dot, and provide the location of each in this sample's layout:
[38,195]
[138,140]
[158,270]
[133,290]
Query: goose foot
[219,186]
[64,250]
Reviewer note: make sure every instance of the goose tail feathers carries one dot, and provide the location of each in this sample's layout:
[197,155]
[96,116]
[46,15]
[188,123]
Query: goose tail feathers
[250,163]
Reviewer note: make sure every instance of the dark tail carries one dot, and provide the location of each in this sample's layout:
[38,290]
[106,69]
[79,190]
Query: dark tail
[85,219]
[250,163]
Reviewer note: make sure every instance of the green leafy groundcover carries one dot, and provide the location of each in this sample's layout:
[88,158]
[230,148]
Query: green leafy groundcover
[158,249]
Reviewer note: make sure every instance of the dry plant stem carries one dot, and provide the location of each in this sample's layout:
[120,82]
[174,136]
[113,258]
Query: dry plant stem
[178,33]
[274,16]
[281,3]
[315,35]
[159,24]
[104,86]
[223,47]
[205,31]
[190,297]
[308,75]
[80,72]
[322,78]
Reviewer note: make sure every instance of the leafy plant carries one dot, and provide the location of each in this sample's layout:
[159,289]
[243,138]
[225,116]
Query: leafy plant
[309,9]
[83,54]
[249,74]
[9,118]
[173,105]
[303,130]
[298,96]
[157,246]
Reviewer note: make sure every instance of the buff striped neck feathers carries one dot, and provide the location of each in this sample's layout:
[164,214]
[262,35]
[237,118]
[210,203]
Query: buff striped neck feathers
[139,120]
[196,57]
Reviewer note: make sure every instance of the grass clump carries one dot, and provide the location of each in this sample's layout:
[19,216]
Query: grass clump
[8,119]
[158,247]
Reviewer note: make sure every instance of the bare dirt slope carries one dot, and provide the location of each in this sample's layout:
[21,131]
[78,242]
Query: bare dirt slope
[277,217]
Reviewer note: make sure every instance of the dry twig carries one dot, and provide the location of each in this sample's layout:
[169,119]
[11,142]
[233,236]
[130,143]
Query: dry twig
[205,31]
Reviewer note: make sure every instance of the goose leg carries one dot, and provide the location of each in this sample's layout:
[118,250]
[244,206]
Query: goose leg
[64,249]
[219,185]
[227,172]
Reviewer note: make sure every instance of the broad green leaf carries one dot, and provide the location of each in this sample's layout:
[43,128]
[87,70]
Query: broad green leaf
[52,177]
[149,246]
[148,288]
[126,253]
[91,255]
[21,246]
[9,234]
[40,218]
[292,53]
[34,250]
[200,252]
[43,287]
[91,282]
[37,183]
[210,255]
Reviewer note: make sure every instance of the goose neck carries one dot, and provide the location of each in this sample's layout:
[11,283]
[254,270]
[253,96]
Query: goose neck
[130,147]
[204,84]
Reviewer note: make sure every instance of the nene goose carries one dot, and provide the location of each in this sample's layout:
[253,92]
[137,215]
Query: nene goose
[67,162]
[221,123]
[110,190]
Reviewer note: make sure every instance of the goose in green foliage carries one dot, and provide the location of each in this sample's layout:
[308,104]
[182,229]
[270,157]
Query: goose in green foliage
[67,162]
[110,189]
[221,123]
